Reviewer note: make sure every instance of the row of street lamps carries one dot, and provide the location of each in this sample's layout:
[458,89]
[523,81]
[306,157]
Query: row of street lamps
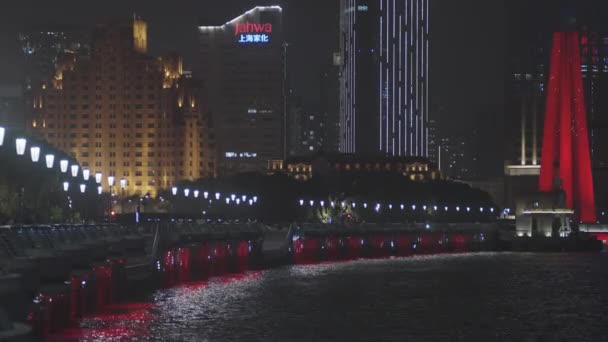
[234,198]
[64,164]
[378,206]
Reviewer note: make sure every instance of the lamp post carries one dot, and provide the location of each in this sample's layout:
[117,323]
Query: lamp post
[83,189]
[123,183]
[111,180]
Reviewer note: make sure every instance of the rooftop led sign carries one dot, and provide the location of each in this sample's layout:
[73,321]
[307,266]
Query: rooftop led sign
[252,33]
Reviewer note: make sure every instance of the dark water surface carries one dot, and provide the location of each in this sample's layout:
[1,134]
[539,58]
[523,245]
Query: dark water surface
[466,297]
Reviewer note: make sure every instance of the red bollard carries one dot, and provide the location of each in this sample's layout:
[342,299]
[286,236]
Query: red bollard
[404,245]
[331,249]
[242,256]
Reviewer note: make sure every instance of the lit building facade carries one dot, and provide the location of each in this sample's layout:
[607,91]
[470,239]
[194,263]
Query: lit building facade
[415,169]
[242,64]
[126,114]
[594,70]
[384,79]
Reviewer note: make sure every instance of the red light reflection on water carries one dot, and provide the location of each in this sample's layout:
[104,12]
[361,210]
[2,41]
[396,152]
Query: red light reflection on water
[118,321]
[126,321]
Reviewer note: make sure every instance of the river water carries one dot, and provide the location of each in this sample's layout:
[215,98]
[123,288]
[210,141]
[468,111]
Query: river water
[464,297]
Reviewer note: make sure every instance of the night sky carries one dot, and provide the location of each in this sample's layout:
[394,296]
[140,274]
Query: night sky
[457,55]
[469,42]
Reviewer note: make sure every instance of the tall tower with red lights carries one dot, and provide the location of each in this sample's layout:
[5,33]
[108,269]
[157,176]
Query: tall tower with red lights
[565,151]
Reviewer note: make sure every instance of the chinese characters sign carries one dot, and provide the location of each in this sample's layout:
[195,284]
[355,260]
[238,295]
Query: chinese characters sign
[253,33]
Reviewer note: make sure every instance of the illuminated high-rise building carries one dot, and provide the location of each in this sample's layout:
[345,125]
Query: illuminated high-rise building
[384,79]
[126,114]
[242,64]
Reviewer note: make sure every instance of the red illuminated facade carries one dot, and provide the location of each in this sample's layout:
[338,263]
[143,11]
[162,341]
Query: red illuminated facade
[565,140]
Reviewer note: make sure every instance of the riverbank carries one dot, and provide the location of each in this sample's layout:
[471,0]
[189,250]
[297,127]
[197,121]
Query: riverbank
[74,278]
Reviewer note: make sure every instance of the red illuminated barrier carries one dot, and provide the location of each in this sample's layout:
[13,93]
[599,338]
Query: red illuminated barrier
[219,258]
[404,245]
[183,264]
[331,249]
[377,246]
[306,250]
[203,261]
[241,256]
[431,243]
[460,243]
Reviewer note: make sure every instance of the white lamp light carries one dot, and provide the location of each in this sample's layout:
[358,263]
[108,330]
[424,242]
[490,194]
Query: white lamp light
[123,183]
[196,193]
[20,145]
[74,168]
[35,153]
[111,180]
[186,192]
[98,177]
[174,190]
[205,194]
[86,173]
[2,132]
[50,160]
[66,186]
[99,190]
[83,188]
[63,165]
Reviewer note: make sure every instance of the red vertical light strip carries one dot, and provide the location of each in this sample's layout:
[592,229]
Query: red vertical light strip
[565,135]
[583,192]
[551,131]
[565,121]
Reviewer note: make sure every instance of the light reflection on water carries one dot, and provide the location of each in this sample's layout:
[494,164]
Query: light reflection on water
[470,297]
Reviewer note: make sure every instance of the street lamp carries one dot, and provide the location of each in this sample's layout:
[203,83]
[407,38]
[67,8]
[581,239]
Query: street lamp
[123,183]
[74,169]
[217,196]
[98,177]
[66,186]
[111,180]
[205,194]
[50,160]
[255,199]
[63,165]
[196,193]
[174,190]
[186,192]
[2,132]
[20,146]
[35,153]
[99,190]
[83,188]
[86,173]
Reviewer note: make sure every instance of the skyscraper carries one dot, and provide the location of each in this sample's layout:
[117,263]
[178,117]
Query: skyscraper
[126,114]
[384,79]
[242,64]
[594,69]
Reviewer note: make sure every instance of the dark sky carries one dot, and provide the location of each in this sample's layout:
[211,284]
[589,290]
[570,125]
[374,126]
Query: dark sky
[469,42]
[462,53]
